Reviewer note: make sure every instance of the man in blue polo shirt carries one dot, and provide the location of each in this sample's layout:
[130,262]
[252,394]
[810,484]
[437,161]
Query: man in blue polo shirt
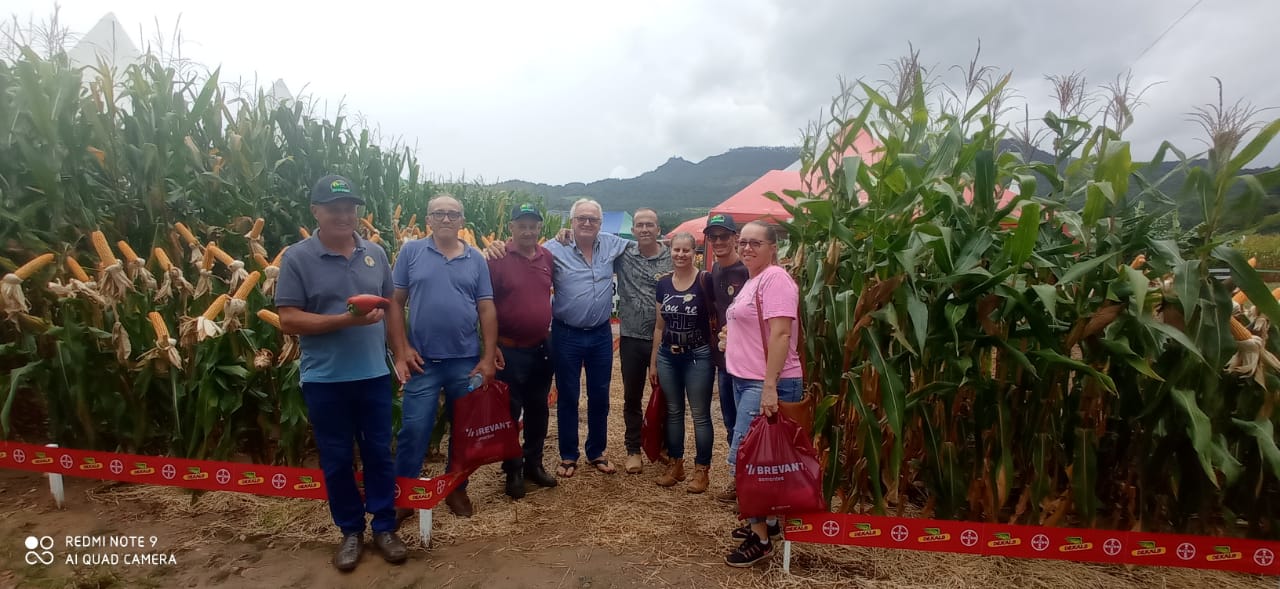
[445,283]
[345,378]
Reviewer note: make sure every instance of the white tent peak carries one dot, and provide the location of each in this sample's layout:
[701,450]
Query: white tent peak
[279,92]
[108,41]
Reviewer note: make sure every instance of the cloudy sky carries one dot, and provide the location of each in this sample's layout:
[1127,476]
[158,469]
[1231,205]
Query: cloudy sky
[577,90]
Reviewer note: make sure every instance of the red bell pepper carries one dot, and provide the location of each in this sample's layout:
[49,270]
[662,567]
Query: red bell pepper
[363,304]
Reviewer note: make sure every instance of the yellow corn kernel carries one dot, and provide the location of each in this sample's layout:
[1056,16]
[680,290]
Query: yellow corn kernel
[1275,293]
[396,215]
[157,325]
[215,307]
[1240,298]
[186,234]
[304,233]
[368,225]
[1253,262]
[261,260]
[206,262]
[1139,261]
[32,266]
[256,232]
[269,317]
[77,271]
[246,287]
[162,259]
[1238,331]
[279,256]
[413,220]
[126,251]
[375,238]
[104,250]
[215,251]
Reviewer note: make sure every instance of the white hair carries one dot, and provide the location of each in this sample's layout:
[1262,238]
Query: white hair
[443,196]
[573,210]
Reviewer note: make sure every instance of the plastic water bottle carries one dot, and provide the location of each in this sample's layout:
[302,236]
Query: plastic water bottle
[474,382]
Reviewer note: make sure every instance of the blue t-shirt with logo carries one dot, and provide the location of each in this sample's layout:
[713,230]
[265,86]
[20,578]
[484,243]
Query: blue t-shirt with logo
[443,321]
[320,281]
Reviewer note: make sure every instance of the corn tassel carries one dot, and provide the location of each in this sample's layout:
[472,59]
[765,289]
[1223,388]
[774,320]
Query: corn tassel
[11,285]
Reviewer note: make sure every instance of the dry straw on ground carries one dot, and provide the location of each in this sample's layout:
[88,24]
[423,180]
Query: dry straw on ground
[667,536]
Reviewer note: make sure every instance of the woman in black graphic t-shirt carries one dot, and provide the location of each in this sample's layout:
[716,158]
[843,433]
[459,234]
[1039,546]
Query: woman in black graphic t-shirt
[682,360]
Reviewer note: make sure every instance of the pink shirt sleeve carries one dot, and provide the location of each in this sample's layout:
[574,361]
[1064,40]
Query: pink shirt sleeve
[781,296]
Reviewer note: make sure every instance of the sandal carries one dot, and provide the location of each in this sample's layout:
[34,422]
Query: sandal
[566,469]
[603,465]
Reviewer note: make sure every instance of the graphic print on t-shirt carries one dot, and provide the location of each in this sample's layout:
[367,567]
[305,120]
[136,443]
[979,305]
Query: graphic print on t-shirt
[684,312]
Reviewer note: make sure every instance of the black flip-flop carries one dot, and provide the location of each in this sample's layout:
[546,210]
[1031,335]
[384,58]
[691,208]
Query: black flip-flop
[601,463]
[567,469]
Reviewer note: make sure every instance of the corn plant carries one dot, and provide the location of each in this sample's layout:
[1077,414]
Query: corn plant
[1004,340]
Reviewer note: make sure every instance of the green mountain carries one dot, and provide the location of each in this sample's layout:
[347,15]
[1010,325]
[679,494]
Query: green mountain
[675,185]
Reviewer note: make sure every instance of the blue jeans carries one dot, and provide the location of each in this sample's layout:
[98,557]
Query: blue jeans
[418,411]
[359,412]
[528,374]
[746,394]
[728,408]
[574,349]
[688,376]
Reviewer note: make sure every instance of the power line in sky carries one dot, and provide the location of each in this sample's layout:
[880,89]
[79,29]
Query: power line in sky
[1166,32]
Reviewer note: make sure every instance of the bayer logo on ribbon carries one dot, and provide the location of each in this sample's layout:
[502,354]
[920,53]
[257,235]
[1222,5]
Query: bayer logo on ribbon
[66,461]
[899,533]
[1264,557]
[279,481]
[168,471]
[1040,542]
[116,466]
[223,476]
[1112,547]
[831,528]
[1186,551]
[968,537]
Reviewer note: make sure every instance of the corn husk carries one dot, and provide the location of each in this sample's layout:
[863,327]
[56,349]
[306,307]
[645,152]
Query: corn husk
[174,283]
[263,359]
[204,284]
[11,285]
[197,251]
[137,270]
[233,314]
[113,283]
[166,350]
[1252,359]
[238,275]
[254,236]
[120,341]
[289,351]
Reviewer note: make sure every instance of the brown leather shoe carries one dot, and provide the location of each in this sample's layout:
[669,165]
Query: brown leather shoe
[392,548]
[729,494]
[348,555]
[674,474]
[701,479]
[459,503]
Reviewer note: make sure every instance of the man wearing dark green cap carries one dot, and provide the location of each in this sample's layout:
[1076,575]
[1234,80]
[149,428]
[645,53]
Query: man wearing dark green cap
[522,295]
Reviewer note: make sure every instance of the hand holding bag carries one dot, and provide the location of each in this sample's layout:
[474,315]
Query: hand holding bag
[483,431]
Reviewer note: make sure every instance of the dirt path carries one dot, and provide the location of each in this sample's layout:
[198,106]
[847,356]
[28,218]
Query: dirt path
[592,531]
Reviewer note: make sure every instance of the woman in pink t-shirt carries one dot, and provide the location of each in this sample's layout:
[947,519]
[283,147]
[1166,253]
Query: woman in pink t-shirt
[760,379]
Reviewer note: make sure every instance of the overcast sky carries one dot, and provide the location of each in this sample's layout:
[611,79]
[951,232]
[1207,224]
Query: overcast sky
[572,90]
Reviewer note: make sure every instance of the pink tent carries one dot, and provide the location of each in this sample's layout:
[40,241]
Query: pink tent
[750,203]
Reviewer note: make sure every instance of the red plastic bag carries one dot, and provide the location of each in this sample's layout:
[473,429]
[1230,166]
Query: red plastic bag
[483,431]
[777,470]
[653,432]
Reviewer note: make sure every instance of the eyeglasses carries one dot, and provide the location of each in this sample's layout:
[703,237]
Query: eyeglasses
[588,220]
[644,225]
[719,236]
[751,243]
[442,215]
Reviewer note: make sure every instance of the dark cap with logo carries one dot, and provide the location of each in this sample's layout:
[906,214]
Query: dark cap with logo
[525,210]
[724,221]
[334,188]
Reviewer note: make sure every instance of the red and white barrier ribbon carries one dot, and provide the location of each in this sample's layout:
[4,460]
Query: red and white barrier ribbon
[1086,545]
[208,475]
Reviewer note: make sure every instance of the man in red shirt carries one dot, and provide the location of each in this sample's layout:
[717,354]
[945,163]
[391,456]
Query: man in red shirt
[522,294]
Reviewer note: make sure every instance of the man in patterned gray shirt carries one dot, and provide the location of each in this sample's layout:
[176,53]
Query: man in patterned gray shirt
[638,270]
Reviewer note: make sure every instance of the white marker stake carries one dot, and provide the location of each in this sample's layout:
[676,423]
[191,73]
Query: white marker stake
[424,526]
[786,557]
[55,485]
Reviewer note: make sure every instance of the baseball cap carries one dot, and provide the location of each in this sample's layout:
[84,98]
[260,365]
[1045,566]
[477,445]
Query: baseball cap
[724,221]
[525,210]
[334,187]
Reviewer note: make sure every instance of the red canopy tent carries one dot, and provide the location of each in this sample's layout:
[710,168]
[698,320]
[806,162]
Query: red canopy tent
[694,226]
[750,203]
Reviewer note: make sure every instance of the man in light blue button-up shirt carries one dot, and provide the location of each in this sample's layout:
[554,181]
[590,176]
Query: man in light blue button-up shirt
[580,332]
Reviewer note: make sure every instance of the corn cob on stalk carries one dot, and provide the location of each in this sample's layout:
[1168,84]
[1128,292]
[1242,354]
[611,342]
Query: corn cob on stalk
[197,252]
[173,280]
[204,326]
[166,348]
[136,267]
[1252,357]
[270,273]
[289,350]
[254,236]
[234,312]
[112,282]
[11,285]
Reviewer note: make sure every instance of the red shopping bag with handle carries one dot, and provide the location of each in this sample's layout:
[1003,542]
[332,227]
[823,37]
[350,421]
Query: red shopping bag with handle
[777,470]
[483,431]
[653,432]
